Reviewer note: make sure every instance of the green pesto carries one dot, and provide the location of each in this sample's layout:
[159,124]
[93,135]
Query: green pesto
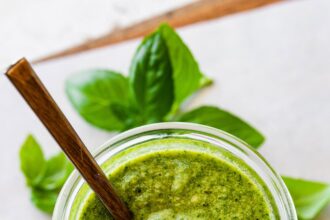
[183,184]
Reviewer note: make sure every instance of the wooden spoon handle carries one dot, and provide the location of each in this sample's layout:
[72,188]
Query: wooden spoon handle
[35,94]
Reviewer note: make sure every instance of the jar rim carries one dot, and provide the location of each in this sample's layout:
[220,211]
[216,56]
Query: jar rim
[74,182]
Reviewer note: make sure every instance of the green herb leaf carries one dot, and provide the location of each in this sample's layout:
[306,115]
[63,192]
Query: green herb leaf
[44,200]
[186,73]
[215,117]
[45,178]
[93,93]
[33,162]
[58,169]
[309,197]
[151,78]
[130,116]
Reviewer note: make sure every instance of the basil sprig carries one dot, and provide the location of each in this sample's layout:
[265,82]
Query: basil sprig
[162,75]
[44,177]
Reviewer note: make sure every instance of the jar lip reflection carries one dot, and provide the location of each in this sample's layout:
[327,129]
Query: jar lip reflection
[279,191]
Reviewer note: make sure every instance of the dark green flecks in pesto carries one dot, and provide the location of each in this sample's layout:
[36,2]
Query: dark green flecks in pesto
[180,184]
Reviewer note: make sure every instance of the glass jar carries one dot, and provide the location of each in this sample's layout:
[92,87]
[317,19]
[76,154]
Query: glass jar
[120,149]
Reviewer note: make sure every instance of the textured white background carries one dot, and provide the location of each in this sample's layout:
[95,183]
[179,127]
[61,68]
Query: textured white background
[271,67]
[37,27]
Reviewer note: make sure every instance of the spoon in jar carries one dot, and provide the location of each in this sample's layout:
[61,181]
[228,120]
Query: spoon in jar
[38,98]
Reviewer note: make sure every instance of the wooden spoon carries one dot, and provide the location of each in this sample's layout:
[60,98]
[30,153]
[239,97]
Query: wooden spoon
[37,97]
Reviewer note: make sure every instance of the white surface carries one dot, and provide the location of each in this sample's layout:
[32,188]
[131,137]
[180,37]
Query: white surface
[271,67]
[38,27]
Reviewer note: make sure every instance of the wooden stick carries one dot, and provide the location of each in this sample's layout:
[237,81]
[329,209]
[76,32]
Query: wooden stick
[37,97]
[195,12]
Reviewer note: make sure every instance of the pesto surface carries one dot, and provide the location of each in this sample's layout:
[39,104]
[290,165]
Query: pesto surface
[183,184]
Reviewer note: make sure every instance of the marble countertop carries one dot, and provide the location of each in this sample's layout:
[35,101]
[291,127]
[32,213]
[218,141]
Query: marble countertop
[270,66]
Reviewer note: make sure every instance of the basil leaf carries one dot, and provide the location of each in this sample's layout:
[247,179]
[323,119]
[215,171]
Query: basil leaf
[58,169]
[186,73]
[44,200]
[150,78]
[32,161]
[309,197]
[92,94]
[215,117]
[45,178]
[128,115]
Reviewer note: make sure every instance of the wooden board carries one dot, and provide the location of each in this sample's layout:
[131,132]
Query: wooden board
[195,12]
